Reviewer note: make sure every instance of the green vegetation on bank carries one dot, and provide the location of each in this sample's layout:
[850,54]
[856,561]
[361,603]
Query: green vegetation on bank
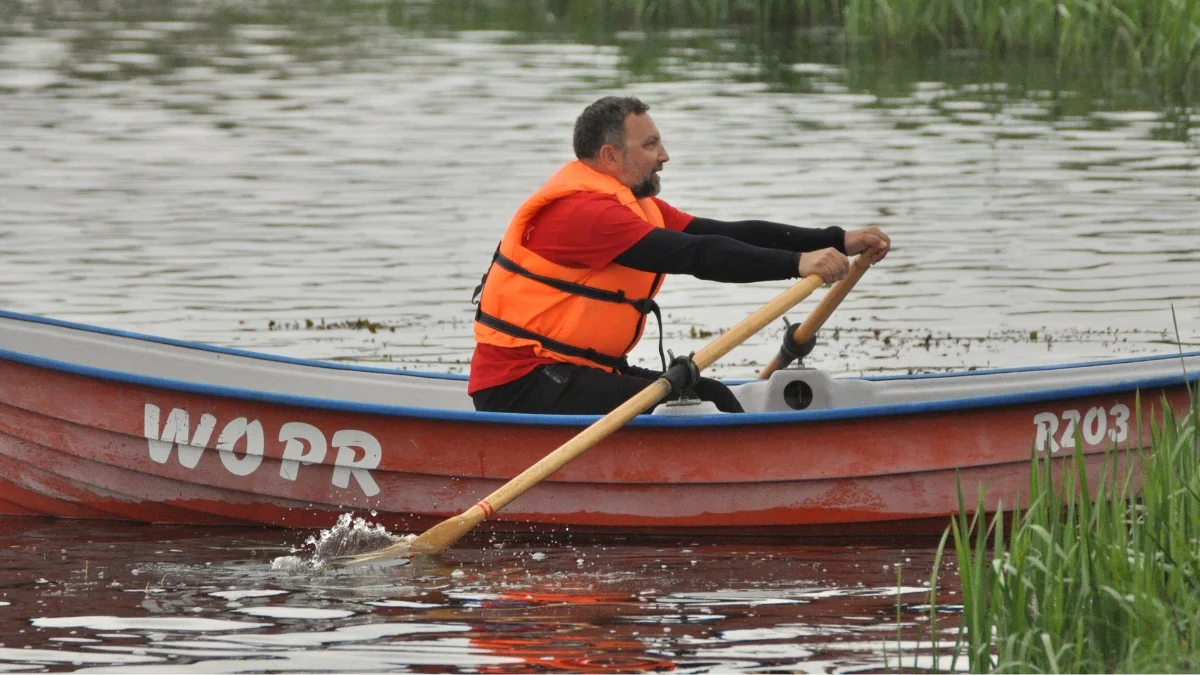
[1150,42]
[1073,58]
[1075,585]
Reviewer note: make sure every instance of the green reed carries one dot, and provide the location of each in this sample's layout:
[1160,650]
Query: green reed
[1108,584]
[1150,42]
[1077,56]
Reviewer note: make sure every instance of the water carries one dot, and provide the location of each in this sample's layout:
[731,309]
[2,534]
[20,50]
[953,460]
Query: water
[230,174]
[111,597]
[264,176]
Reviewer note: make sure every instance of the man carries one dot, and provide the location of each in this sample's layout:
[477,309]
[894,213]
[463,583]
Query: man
[573,280]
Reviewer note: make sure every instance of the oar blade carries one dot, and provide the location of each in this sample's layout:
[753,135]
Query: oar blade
[395,552]
[433,541]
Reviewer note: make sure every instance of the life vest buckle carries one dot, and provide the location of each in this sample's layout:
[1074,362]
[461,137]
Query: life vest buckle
[645,305]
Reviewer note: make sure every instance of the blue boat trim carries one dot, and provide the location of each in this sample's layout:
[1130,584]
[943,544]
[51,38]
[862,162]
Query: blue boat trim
[1030,369]
[452,376]
[745,419]
[224,350]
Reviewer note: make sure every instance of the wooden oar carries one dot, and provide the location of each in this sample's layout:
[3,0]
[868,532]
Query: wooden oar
[443,535]
[806,330]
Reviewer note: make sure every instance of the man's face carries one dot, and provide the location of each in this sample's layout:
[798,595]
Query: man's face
[643,157]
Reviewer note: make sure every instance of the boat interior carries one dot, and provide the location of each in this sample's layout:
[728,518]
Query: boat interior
[160,362]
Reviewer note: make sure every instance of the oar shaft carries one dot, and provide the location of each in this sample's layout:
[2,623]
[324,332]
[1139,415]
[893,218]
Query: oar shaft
[809,327]
[777,362]
[445,534]
[832,299]
[767,314]
[652,394]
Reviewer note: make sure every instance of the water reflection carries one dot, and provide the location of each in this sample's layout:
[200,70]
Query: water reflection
[157,599]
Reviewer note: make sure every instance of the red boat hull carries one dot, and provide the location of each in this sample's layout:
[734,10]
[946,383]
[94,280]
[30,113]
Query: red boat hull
[75,446]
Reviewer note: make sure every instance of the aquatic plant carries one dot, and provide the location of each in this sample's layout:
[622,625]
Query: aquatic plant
[1109,584]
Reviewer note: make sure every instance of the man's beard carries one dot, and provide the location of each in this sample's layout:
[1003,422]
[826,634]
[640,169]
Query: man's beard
[647,188]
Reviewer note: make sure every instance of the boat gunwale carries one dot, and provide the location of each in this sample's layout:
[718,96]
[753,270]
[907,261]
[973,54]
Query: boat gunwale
[231,351]
[707,420]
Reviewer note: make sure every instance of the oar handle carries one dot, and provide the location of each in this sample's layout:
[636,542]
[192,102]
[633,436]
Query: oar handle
[443,535]
[806,330]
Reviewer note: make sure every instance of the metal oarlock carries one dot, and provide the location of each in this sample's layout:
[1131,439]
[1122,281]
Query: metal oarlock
[683,374]
[792,351]
[792,348]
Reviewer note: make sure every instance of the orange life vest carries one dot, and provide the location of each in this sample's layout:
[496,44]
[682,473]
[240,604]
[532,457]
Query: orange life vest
[581,316]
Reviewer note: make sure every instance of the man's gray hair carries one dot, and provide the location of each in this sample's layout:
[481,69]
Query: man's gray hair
[603,123]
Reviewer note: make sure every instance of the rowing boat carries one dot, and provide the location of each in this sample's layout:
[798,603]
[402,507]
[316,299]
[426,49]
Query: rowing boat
[105,424]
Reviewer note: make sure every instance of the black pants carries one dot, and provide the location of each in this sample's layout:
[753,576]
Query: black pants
[566,389]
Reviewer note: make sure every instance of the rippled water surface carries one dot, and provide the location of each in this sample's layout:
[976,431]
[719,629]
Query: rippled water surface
[264,179]
[121,598]
[200,174]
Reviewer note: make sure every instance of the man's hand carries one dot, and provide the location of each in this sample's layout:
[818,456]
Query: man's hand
[828,262]
[868,238]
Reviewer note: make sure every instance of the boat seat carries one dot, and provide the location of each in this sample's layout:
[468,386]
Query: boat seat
[800,389]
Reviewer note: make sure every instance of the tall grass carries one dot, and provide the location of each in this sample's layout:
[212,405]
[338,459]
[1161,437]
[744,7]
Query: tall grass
[1155,39]
[1150,42]
[1148,49]
[1078,585]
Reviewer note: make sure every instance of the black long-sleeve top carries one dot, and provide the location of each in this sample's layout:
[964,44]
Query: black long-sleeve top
[735,252]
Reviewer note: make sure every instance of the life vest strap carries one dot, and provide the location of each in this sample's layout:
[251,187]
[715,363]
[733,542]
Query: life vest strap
[658,317]
[644,306]
[618,364]
[477,294]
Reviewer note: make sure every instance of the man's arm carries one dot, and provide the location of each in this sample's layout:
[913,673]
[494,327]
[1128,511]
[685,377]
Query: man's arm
[772,235]
[789,238]
[723,259]
[710,257]
[587,230]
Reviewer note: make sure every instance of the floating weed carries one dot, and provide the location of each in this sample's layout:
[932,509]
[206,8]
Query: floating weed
[348,324]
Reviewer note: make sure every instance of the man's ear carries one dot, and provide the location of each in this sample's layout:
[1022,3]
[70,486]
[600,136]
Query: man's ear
[608,156]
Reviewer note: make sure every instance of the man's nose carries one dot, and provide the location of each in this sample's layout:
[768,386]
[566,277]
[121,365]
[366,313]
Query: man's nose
[663,157]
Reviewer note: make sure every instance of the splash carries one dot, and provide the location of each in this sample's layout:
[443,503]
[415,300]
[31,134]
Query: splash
[349,536]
